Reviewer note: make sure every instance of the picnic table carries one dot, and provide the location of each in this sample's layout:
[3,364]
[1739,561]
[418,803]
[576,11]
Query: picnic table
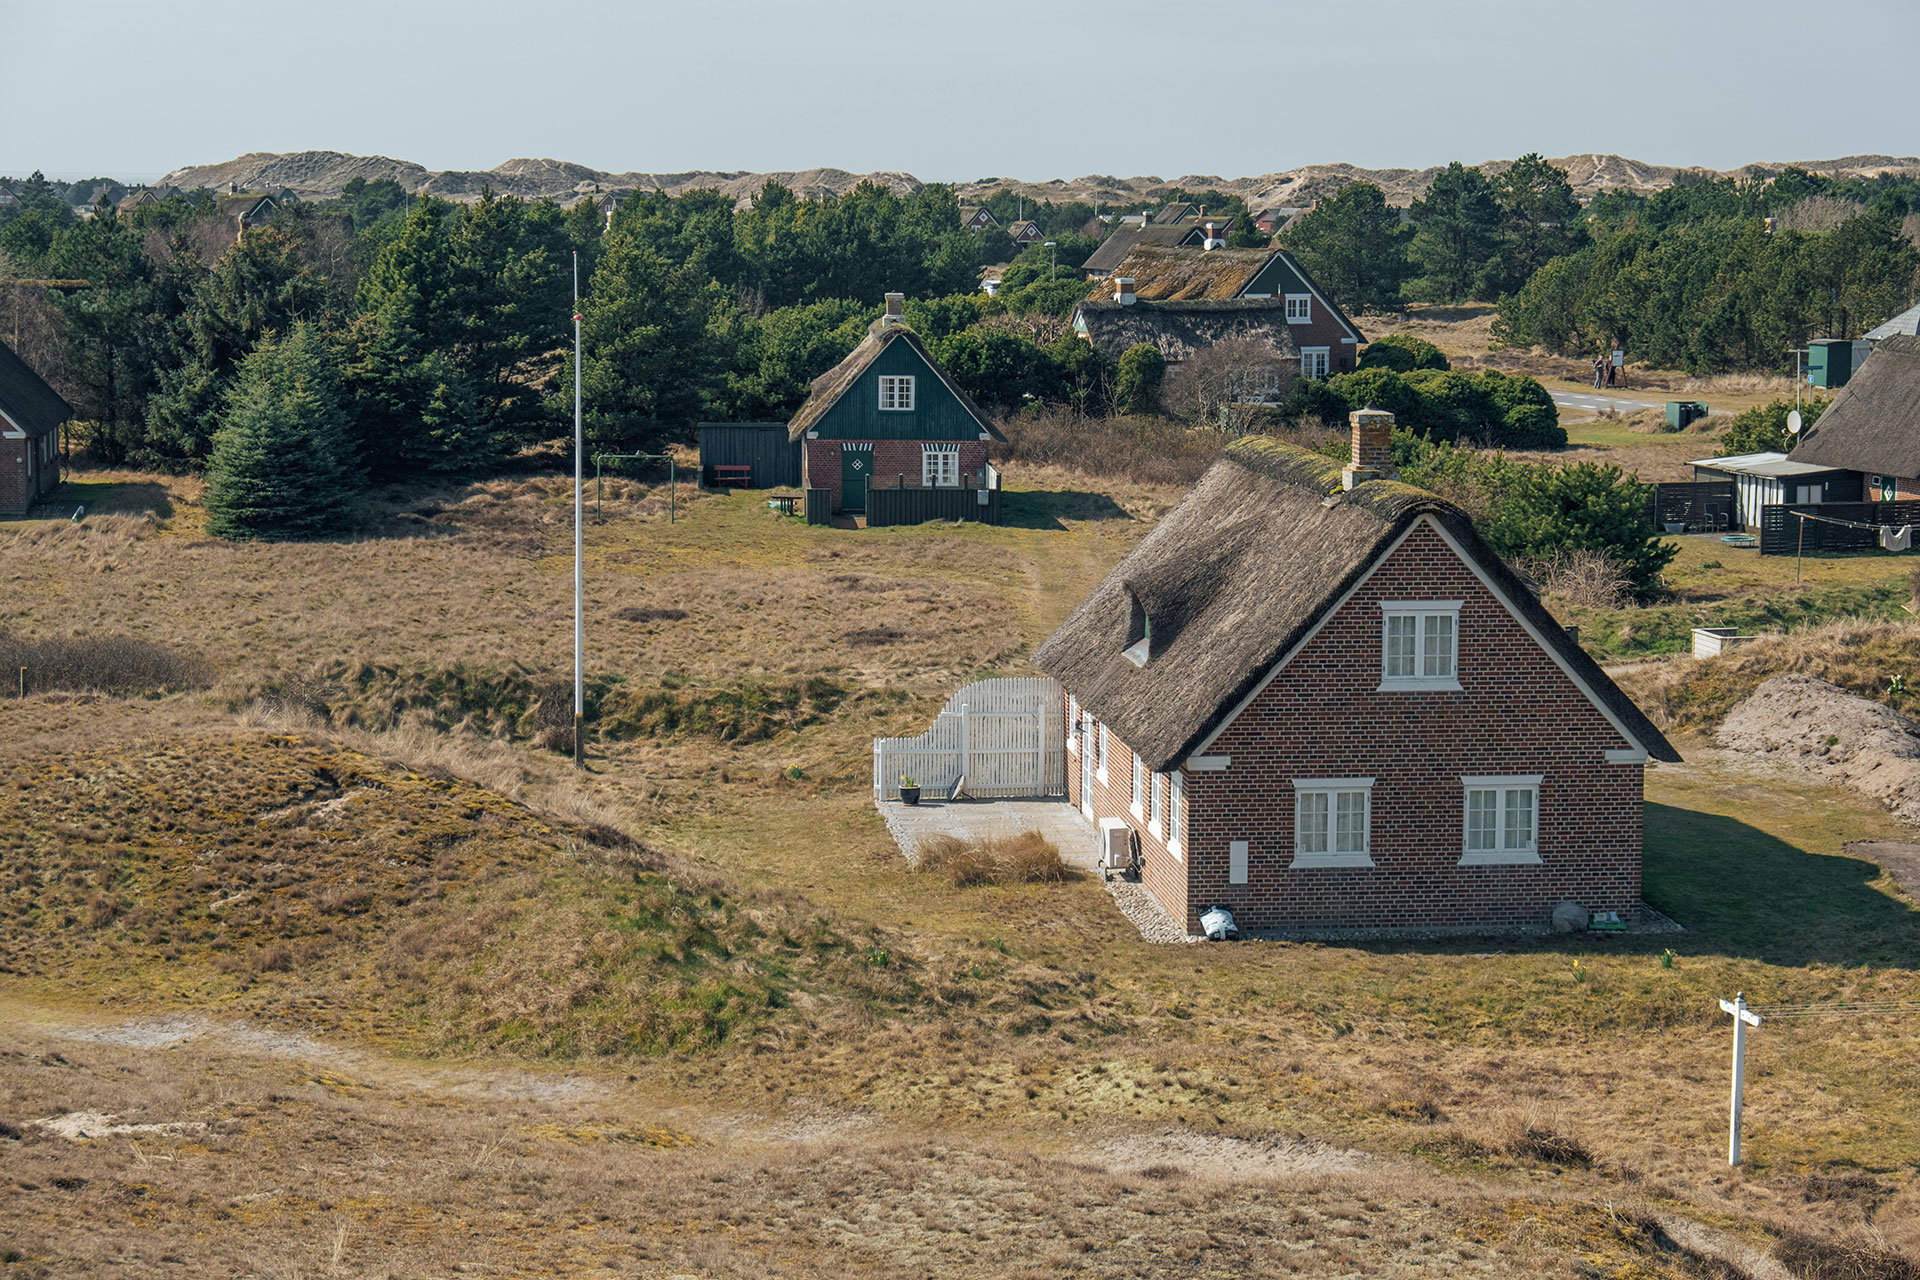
[739,476]
[784,501]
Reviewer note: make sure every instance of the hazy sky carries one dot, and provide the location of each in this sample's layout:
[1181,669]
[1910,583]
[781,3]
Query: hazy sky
[951,91]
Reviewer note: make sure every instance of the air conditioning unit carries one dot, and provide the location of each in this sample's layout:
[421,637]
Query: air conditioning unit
[1116,845]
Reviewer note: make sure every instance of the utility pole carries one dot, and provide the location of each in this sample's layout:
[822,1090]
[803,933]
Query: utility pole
[579,577]
[1743,1018]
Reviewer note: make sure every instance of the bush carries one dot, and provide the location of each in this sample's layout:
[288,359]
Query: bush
[118,665]
[1488,407]
[1140,449]
[1763,428]
[1141,369]
[1403,353]
[1028,858]
[1216,386]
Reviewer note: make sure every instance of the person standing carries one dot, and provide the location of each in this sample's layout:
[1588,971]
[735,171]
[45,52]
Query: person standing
[1599,371]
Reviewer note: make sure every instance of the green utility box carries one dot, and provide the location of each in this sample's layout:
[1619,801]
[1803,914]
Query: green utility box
[1682,413]
[1832,361]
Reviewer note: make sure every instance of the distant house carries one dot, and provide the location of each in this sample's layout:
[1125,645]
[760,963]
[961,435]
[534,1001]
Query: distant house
[245,211]
[1907,322]
[31,413]
[1127,237]
[889,416]
[977,217]
[1267,287]
[1268,221]
[139,199]
[1346,712]
[1178,213]
[1873,425]
[6,195]
[1025,233]
[1771,479]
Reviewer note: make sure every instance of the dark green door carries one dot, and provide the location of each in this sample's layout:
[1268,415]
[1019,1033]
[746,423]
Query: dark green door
[855,466]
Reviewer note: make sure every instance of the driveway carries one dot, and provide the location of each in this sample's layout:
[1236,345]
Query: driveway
[1057,820]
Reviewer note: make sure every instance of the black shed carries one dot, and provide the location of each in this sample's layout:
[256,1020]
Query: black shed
[763,446]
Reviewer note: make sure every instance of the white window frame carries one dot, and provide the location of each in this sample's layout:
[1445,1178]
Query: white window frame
[896,393]
[1502,787]
[1332,856]
[1299,308]
[1157,806]
[1176,812]
[940,466]
[1426,676]
[1137,802]
[1073,725]
[1101,746]
[1315,362]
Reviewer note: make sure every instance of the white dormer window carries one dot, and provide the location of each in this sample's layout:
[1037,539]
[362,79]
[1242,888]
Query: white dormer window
[1299,308]
[1420,646]
[896,394]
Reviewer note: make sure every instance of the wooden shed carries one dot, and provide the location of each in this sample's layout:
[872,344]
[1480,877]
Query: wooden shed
[762,446]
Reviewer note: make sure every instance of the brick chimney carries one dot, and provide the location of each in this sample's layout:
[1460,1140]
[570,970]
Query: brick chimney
[1372,447]
[1213,240]
[1123,290]
[895,304]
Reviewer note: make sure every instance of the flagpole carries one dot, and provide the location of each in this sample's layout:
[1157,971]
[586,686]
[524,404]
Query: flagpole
[579,580]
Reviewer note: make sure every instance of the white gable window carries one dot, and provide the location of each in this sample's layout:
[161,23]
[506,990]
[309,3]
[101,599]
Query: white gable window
[1299,308]
[1420,645]
[1333,822]
[939,463]
[896,393]
[1502,821]
[1313,362]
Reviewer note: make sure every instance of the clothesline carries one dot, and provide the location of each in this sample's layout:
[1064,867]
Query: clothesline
[1891,538]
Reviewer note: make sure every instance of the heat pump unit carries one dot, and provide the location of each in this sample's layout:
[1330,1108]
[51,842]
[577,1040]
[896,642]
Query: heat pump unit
[1116,845]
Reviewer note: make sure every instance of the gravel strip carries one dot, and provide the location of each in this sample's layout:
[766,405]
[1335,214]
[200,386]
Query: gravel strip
[1148,916]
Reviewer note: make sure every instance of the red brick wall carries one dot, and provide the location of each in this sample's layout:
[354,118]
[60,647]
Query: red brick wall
[18,490]
[1163,874]
[891,459]
[1325,331]
[1323,717]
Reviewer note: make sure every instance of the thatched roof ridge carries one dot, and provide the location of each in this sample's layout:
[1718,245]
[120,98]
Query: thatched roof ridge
[1115,248]
[1870,424]
[1179,329]
[1164,272]
[825,391]
[26,398]
[1265,545]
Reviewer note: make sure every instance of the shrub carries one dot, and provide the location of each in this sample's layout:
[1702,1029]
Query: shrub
[1403,353]
[1141,369]
[1488,407]
[1145,450]
[1763,428]
[1590,577]
[117,665]
[1028,858]
[1215,387]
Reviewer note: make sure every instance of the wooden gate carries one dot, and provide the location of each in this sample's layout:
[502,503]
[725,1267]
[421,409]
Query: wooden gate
[1005,737]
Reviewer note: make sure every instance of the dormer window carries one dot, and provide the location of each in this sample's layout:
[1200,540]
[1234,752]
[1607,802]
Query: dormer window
[1139,631]
[1420,645]
[896,394]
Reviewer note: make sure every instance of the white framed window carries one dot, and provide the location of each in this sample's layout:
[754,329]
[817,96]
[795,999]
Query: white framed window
[1313,362]
[1073,725]
[1333,822]
[1420,645]
[940,465]
[1299,308]
[896,393]
[1157,805]
[1138,801]
[1501,821]
[1100,754]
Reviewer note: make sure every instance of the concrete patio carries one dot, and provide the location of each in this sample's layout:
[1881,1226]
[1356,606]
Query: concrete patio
[1057,820]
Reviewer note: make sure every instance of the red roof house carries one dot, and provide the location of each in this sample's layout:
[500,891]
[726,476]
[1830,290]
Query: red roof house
[1318,699]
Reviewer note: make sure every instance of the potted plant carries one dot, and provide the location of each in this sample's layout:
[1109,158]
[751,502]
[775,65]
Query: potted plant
[909,790]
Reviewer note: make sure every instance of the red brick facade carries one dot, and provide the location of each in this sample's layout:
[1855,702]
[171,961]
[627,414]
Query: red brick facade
[891,460]
[29,471]
[1324,717]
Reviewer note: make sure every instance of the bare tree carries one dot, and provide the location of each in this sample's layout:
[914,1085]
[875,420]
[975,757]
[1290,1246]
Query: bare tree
[1218,387]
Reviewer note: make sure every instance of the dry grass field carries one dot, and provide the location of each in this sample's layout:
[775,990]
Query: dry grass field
[400,994]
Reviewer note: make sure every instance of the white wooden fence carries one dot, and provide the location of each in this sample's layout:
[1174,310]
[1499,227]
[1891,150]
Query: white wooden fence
[1005,737]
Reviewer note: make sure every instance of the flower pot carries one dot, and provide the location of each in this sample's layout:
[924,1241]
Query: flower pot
[1676,526]
[909,795]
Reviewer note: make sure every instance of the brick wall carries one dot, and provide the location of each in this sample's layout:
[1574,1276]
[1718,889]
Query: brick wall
[891,459]
[18,490]
[1163,873]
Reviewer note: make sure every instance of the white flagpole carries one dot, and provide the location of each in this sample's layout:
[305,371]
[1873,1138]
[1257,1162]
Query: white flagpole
[579,580]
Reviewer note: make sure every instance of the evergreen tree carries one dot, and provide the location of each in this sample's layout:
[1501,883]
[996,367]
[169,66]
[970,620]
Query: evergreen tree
[1355,245]
[651,369]
[283,464]
[1140,372]
[1456,241]
[1539,219]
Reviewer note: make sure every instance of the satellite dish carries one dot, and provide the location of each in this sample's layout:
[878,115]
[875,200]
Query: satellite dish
[1793,423]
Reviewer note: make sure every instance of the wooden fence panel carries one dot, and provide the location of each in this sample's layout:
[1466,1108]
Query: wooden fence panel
[819,506]
[913,505]
[1006,737]
[1698,504]
[1781,535]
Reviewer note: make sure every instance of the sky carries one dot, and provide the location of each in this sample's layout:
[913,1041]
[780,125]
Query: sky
[951,92]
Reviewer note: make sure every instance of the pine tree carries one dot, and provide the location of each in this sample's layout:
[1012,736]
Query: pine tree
[1457,236]
[283,463]
[1355,245]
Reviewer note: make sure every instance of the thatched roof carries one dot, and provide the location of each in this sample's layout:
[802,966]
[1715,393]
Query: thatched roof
[1124,240]
[1874,423]
[1163,272]
[827,389]
[1179,329]
[1239,574]
[26,400]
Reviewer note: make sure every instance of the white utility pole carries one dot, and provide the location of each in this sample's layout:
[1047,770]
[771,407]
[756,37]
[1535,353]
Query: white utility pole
[579,577]
[1743,1018]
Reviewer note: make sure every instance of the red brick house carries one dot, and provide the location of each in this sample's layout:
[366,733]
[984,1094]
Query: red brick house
[1318,699]
[30,416]
[889,416]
